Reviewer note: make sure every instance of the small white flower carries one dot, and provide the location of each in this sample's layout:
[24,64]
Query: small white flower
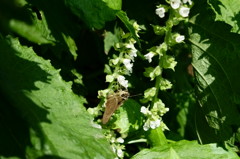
[144,110]
[146,127]
[158,122]
[160,12]
[175,4]
[189,1]
[120,140]
[121,80]
[130,46]
[149,56]
[179,38]
[112,140]
[133,53]
[184,11]
[119,153]
[152,124]
[128,64]
[133,50]
[166,109]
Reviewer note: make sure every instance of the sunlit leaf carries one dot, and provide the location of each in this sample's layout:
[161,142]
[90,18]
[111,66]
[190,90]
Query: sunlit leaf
[186,150]
[40,115]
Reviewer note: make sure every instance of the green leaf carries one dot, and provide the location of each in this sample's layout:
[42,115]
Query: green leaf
[129,118]
[186,150]
[71,45]
[111,39]
[40,115]
[114,4]
[150,93]
[164,84]
[95,13]
[216,59]
[152,72]
[129,25]
[168,62]
[227,11]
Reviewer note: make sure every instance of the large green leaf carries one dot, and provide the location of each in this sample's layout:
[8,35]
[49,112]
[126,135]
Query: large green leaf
[216,56]
[227,11]
[40,115]
[95,13]
[186,150]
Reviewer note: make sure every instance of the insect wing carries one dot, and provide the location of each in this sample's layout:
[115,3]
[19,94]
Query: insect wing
[111,106]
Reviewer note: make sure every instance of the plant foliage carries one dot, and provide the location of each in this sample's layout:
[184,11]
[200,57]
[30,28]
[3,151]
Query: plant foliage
[62,62]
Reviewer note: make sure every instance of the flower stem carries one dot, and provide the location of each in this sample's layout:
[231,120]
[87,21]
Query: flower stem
[156,136]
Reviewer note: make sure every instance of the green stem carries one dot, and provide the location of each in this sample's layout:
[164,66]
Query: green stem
[156,136]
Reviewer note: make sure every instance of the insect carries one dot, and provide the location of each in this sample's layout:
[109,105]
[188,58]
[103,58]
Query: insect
[114,101]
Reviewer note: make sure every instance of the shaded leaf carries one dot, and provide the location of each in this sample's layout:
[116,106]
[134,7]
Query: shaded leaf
[216,58]
[95,13]
[110,39]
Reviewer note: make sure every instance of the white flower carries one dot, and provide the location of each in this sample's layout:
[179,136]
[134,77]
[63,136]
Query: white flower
[120,140]
[144,110]
[133,50]
[179,38]
[189,1]
[152,124]
[158,122]
[130,45]
[146,127]
[149,56]
[184,11]
[119,153]
[121,80]
[128,64]
[133,53]
[160,12]
[175,4]
[155,124]
[112,140]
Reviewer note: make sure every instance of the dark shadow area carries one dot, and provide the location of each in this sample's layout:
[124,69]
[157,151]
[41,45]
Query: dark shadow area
[14,134]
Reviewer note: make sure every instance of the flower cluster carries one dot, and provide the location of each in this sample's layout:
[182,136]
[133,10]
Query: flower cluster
[178,11]
[123,63]
[182,8]
[154,116]
[116,144]
[120,65]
